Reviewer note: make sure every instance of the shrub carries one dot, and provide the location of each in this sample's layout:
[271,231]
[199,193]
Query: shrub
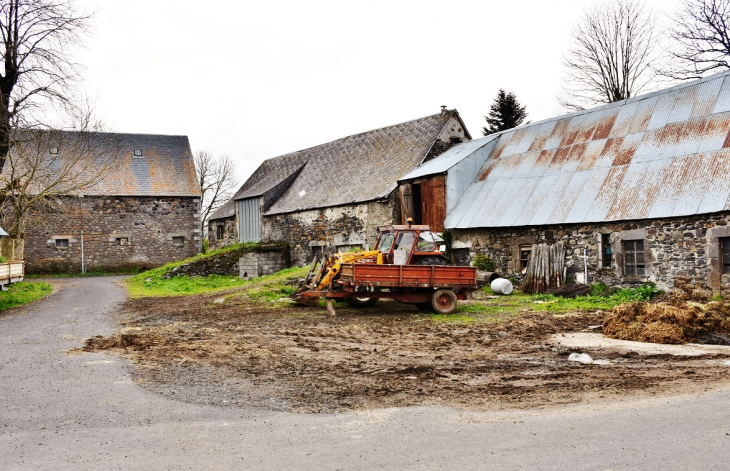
[483,262]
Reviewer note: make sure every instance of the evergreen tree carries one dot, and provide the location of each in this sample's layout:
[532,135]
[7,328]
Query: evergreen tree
[505,113]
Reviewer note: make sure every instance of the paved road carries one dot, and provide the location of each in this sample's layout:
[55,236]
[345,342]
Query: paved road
[82,411]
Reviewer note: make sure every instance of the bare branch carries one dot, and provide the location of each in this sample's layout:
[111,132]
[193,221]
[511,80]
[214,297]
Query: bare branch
[611,56]
[217,180]
[701,40]
[37,72]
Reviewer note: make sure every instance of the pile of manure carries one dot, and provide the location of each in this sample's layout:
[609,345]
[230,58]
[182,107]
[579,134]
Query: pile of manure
[673,320]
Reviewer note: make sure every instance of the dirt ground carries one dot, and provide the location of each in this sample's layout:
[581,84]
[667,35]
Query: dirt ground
[228,350]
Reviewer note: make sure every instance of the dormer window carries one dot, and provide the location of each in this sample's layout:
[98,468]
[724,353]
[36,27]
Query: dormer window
[54,150]
[138,152]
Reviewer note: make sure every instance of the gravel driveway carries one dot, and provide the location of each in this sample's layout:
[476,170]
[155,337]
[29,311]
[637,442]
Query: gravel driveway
[82,411]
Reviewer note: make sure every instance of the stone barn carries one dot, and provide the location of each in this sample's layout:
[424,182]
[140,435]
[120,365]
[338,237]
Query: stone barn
[333,196]
[641,188]
[143,212]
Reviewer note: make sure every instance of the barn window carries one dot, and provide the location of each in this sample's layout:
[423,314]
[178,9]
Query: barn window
[525,251]
[178,240]
[122,240]
[634,258]
[54,150]
[138,152]
[219,231]
[62,243]
[725,247]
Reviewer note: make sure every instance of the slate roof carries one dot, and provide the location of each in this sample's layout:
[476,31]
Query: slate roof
[164,168]
[228,210]
[659,155]
[358,168]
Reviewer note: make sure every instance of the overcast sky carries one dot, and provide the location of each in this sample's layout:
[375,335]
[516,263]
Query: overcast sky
[258,79]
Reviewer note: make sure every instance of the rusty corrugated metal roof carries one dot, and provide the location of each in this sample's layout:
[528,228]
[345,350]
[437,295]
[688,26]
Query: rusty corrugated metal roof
[164,166]
[357,168]
[664,154]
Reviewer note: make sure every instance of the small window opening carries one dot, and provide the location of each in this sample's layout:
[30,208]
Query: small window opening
[54,150]
[138,152]
[606,248]
[316,250]
[725,249]
[634,258]
[219,232]
[122,240]
[62,243]
[525,252]
[425,242]
[178,240]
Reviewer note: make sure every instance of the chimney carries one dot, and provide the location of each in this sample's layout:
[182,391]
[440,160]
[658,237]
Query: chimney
[443,109]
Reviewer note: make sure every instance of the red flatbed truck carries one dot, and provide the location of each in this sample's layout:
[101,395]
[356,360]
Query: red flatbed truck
[420,275]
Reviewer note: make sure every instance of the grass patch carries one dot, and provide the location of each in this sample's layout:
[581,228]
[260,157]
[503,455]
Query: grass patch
[23,293]
[266,288]
[497,308]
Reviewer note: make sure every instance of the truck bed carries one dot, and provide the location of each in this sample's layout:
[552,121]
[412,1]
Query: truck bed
[356,275]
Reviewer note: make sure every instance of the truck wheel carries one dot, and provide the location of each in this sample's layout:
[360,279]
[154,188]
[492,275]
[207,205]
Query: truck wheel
[432,261]
[361,302]
[443,301]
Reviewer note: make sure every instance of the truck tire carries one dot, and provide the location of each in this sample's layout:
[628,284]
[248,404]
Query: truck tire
[361,302]
[432,261]
[443,301]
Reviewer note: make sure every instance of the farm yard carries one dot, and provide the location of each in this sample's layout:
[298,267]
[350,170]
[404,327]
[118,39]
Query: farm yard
[250,346]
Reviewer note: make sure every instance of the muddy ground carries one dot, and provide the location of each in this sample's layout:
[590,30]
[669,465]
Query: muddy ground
[277,356]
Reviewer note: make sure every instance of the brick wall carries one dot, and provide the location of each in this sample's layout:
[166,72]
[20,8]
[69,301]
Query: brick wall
[684,251]
[118,233]
[329,230]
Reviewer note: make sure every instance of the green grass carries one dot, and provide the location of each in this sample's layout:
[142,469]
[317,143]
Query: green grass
[501,307]
[153,284]
[23,293]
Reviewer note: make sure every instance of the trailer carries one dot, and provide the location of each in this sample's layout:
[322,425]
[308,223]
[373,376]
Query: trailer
[429,287]
[11,272]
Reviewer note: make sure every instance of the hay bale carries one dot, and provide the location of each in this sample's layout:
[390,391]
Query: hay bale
[672,321]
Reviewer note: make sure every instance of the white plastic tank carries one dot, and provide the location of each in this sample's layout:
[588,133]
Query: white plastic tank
[501,286]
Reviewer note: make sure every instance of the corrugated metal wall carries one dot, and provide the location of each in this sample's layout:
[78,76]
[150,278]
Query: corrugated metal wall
[249,219]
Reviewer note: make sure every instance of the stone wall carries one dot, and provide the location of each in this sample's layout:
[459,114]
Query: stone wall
[330,230]
[118,233]
[682,250]
[230,232]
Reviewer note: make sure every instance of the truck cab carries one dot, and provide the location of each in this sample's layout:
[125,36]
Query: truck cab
[410,245]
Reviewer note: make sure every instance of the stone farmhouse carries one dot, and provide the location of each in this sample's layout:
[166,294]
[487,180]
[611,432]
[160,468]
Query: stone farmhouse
[143,212]
[333,196]
[642,187]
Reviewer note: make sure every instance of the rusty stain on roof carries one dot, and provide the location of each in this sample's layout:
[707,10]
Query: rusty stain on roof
[664,154]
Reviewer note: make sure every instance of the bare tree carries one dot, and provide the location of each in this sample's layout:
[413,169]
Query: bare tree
[611,56]
[45,167]
[38,40]
[701,40]
[218,182]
